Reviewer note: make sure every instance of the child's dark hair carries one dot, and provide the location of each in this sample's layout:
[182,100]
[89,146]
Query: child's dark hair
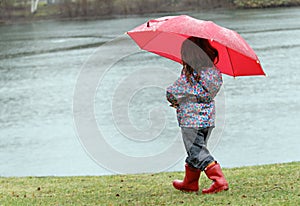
[197,53]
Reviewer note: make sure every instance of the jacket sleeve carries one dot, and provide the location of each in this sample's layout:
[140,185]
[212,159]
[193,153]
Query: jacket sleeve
[201,92]
[171,98]
[209,86]
[177,90]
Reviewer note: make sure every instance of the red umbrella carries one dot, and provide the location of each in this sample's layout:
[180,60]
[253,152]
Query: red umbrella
[164,36]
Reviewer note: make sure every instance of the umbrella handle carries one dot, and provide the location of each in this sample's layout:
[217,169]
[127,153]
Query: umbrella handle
[154,21]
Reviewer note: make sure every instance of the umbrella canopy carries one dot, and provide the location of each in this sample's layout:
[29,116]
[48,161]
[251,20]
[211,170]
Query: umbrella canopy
[164,36]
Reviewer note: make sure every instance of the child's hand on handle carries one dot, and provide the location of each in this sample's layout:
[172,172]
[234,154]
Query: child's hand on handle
[175,105]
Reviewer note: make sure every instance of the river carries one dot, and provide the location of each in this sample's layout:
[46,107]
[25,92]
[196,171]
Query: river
[40,63]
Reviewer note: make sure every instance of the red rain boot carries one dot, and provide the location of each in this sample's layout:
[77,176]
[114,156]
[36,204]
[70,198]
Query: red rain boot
[190,182]
[219,184]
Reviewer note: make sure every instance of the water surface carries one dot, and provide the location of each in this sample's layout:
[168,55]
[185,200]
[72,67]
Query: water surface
[40,63]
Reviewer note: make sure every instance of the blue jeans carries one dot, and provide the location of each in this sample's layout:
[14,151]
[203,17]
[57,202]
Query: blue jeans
[195,142]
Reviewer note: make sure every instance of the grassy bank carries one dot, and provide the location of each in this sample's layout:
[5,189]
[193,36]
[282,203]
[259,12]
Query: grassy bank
[265,3]
[277,184]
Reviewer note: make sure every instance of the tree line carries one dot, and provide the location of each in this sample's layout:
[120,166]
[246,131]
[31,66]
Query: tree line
[96,8]
[109,7]
[90,8]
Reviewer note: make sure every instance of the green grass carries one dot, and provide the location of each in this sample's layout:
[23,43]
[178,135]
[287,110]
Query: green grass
[277,184]
[265,3]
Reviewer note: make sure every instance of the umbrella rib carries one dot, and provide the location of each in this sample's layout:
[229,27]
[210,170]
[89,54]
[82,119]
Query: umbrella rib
[230,61]
[157,35]
[142,46]
[159,32]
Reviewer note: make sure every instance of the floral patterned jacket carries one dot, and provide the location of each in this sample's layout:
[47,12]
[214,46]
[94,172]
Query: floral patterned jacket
[195,102]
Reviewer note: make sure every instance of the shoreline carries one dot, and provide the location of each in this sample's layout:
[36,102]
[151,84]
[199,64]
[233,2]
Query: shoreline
[54,12]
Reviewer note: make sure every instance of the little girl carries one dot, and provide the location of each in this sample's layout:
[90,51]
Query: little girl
[192,94]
